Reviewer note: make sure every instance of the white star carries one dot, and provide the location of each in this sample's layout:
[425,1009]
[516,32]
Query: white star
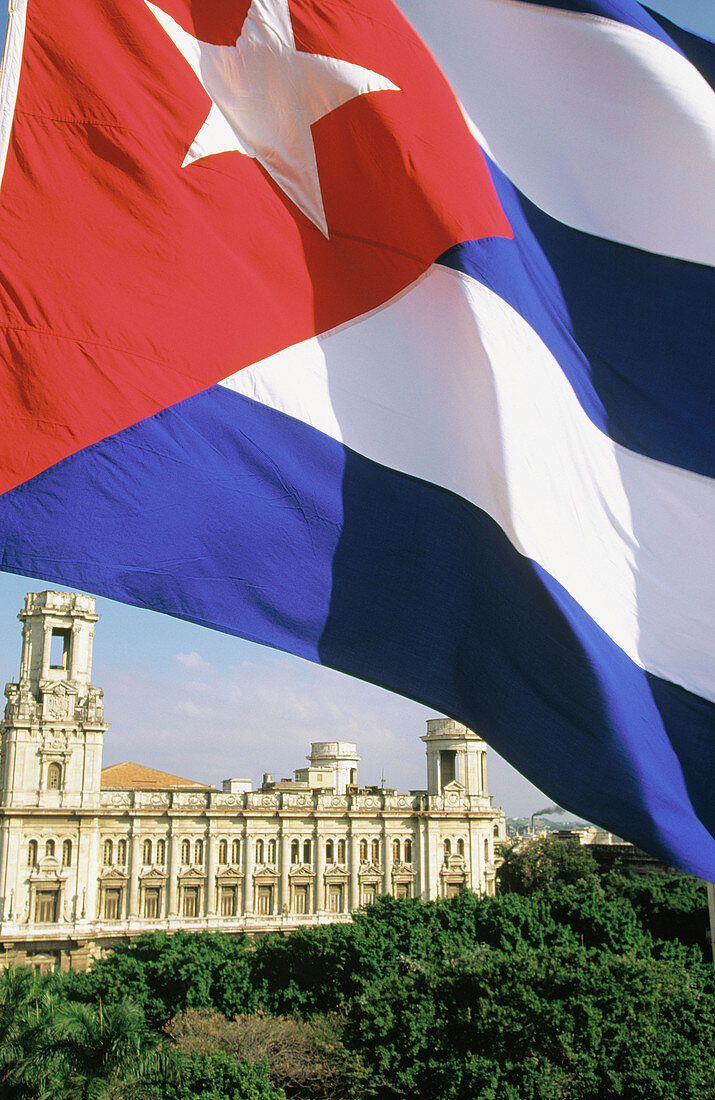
[265,96]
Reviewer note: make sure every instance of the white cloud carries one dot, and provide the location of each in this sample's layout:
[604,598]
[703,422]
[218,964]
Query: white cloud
[194,662]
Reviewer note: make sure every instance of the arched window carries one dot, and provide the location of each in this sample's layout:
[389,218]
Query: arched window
[375,846]
[122,853]
[236,852]
[341,851]
[396,851]
[329,851]
[496,832]
[295,851]
[161,852]
[32,854]
[107,853]
[408,851]
[146,853]
[486,849]
[271,851]
[363,851]
[199,852]
[447,849]
[223,852]
[306,851]
[260,851]
[185,852]
[50,849]
[66,853]
[54,777]
[460,847]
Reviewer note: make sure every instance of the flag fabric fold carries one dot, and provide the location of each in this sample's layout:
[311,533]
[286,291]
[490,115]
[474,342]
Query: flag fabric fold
[455,438]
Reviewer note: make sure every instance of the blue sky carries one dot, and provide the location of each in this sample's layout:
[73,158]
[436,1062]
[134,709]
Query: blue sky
[207,706]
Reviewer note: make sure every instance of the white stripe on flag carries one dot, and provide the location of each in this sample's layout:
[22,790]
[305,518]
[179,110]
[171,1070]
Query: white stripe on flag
[448,383]
[603,126]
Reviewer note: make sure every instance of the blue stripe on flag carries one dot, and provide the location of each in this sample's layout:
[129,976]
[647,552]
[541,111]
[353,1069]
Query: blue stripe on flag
[626,326]
[274,531]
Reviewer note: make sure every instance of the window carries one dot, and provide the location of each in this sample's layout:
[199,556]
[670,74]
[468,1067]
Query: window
[50,849]
[265,900]
[152,901]
[363,851]
[199,852]
[496,832]
[306,851]
[260,851]
[107,853]
[335,898]
[454,889]
[228,901]
[185,852]
[146,853]
[486,849]
[60,647]
[32,854]
[223,852]
[236,852]
[329,852]
[447,766]
[190,906]
[300,899]
[353,776]
[66,853]
[460,847]
[112,904]
[54,777]
[161,852]
[396,851]
[46,906]
[122,853]
[447,849]
[408,851]
[295,851]
[483,771]
[369,892]
[341,851]
[375,851]
[271,851]
[402,890]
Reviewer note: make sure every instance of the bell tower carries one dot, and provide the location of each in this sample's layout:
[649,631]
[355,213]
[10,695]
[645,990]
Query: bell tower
[455,755]
[52,734]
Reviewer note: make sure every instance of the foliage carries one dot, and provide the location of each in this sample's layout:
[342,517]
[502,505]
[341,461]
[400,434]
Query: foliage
[544,862]
[166,974]
[582,988]
[305,1057]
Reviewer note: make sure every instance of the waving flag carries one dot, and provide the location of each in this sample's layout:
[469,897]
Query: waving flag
[396,360]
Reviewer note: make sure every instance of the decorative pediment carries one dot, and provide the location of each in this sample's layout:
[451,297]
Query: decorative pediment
[113,874]
[335,871]
[265,874]
[455,786]
[302,872]
[369,870]
[403,870]
[153,874]
[229,874]
[191,877]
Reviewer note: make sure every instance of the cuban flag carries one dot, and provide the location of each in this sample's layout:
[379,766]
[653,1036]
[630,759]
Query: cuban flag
[382,336]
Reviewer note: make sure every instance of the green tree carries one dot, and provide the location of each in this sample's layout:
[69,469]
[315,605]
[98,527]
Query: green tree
[541,863]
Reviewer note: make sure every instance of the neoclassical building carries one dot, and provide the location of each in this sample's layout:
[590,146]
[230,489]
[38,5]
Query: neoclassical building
[90,856]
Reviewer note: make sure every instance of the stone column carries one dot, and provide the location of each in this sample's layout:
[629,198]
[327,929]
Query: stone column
[319,865]
[134,865]
[47,635]
[354,898]
[210,845]
[172,871]
[284,884]
[386,859]
[248,865]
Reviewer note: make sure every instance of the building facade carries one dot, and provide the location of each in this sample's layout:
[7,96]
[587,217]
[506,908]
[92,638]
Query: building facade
[91,856]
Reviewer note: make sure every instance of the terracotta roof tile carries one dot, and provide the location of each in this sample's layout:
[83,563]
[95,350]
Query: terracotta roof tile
[130,776]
